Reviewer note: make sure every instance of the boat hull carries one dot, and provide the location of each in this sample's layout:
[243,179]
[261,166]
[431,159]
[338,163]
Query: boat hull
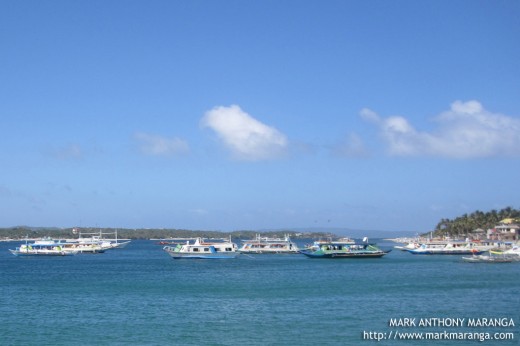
[260,252]
[265,245]
[177,255]
[202,250]
[312,254]
[451,252]
[486,259]
[41,253]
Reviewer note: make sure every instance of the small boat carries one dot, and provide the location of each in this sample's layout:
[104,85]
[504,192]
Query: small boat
[44,247]
[491,258]
[265,245]
[99,238]
[203,249]
[407,246]
[339,249]
[89,247]
[513,252]
[450,248]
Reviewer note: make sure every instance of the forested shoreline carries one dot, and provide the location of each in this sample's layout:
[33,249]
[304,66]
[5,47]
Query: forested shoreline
[458,226]
[467,223]
[23,232]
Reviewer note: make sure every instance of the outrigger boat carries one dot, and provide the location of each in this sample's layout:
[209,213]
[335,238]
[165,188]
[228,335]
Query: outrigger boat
[92,247]
[339,249]
[513,252]
[45,247]
[98,240]
[450,248]
[491,258]
[265,245]
[203,249]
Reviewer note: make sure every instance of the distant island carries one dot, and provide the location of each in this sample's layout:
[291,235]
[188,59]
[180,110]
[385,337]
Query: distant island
[23,232]
[457,227]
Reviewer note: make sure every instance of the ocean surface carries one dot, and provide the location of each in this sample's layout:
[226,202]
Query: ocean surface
[140,296]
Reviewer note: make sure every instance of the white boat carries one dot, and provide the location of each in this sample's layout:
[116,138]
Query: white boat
[91,247]
[99,238]
[44,247]
[203,249]
[450,248]
[486,245]
[491,258]
[408,243]
[407,246]
[513,252]
[265,245]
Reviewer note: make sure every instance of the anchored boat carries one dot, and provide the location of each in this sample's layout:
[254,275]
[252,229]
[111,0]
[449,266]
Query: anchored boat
[265,245]
[107,243]
[513,252]
[341,249]
[203,249]
[450,248]
[491,258]
[44,247]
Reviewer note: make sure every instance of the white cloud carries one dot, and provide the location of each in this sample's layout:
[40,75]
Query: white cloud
[467,130]
[246,137]
[369,115]
[155,145]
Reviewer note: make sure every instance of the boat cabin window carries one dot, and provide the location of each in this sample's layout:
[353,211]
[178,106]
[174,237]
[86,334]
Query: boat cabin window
[206,249]
[229,249]
[195,249]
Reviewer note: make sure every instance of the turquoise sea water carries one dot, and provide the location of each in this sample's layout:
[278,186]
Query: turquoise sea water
[140,296]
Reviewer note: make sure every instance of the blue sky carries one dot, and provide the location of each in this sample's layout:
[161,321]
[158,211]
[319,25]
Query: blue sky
[228,115]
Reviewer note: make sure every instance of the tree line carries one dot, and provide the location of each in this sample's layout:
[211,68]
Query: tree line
[466,223]
[22,232]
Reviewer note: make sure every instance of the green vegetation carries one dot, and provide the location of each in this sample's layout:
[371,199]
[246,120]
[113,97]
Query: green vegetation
[458,227]
[21,232]
[466,223]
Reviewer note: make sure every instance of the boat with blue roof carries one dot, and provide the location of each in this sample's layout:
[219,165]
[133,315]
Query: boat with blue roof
[342,249]
[44,247]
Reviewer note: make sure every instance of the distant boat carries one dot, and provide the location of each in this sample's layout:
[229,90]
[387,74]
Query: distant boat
[99,238]
[88,247]
[513,252]
[265,245]
[342,241]
[203,250]
[44,247]
[340,249]
[408,246]
[491,258]
[449,248]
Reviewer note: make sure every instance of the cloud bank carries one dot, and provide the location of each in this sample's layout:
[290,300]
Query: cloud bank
[466,130]
[244,136]
[155,145]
